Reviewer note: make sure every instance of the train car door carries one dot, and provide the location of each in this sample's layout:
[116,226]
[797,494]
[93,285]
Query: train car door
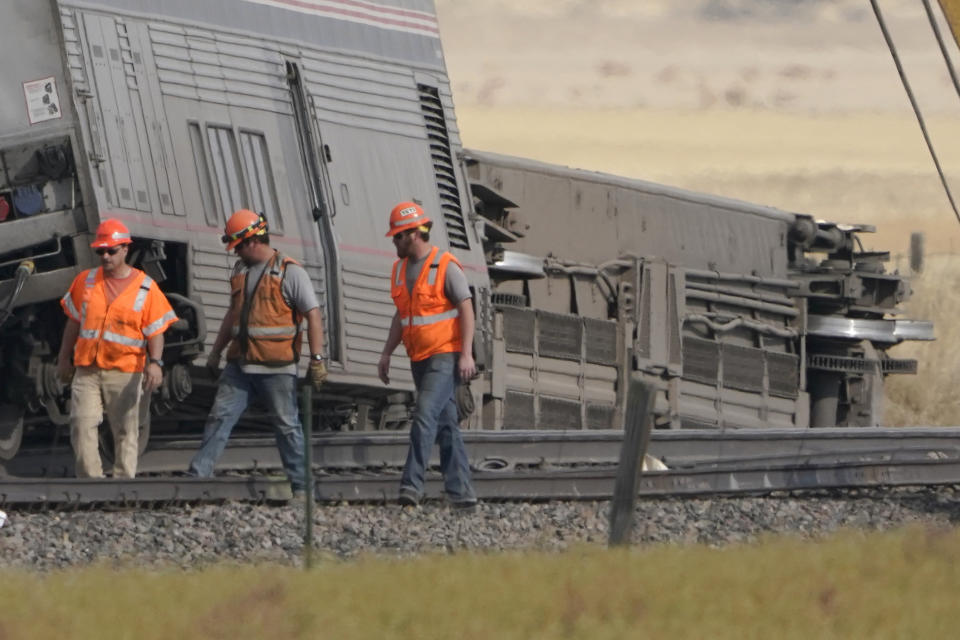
[320,204]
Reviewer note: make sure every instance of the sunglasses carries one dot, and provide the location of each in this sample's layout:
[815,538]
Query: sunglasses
[112,251]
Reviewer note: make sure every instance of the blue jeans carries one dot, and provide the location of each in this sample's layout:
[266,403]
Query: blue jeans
[435,419]
[279,392]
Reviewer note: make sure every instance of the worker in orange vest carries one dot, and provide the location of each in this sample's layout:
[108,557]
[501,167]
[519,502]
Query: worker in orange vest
[435,322]
[270,296]
[111,349]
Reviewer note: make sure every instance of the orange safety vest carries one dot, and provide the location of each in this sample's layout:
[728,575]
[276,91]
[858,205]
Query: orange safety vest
[430,321]
[266,330]
[115,336]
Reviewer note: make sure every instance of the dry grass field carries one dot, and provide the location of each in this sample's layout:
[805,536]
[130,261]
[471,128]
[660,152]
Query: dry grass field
[853,585]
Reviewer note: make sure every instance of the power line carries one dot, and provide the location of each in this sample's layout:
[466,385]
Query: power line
[943,47]
[913,103]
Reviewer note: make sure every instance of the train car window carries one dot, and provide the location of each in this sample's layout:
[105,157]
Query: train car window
[226,170]
[256,162]
[203,175]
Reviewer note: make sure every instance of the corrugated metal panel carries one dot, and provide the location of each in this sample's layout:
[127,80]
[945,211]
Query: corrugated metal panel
[519,372]
[556,383]
[518,411]
[783,371]
[559,336]
[220,68]
[701,360]
[742,368]
[601,416]
[702,406]
[363,93]
[559,413]
[368,29]
[601,341]
[367,313]
[518,328]
[600,383]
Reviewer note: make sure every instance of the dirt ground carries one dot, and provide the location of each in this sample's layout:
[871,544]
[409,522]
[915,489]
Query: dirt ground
[790,103]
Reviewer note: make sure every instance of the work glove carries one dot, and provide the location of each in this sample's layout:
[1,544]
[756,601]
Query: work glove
[318,374]
[464,398]
[213,365]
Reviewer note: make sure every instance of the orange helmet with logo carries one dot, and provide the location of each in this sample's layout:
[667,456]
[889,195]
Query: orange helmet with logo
[111,233]
[406,215]
[243,224]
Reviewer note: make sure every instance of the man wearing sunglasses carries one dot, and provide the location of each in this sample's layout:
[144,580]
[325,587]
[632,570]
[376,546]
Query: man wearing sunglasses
[270,295]
[116,316]
[435,322]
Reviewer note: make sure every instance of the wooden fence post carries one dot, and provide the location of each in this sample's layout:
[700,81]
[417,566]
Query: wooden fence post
[636,436]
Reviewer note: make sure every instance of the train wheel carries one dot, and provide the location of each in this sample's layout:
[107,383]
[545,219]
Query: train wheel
[11,430]
[106,435]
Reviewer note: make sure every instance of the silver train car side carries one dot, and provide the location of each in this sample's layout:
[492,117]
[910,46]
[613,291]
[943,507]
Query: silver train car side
[322,115]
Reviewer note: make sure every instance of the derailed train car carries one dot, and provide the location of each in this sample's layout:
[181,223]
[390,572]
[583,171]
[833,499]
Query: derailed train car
[322,115]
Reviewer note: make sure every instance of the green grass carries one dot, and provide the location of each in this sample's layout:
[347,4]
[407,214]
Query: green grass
[852,585]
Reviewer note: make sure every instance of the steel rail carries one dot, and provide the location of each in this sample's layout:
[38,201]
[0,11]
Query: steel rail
[597,484]
[594,483]
[509,449]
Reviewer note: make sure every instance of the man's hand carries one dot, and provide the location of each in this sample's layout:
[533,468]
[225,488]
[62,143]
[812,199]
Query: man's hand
[466,367]
[65,371]
[152,377]
[383,368]
[213,364]
[318,374]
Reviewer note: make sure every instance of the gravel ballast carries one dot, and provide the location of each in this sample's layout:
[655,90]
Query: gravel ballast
[192,536]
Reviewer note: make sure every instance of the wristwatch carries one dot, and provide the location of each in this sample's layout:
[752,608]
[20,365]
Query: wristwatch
[317,357]
[156,361]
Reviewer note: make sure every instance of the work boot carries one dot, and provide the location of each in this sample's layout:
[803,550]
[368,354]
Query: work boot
[464,507]
[409,497]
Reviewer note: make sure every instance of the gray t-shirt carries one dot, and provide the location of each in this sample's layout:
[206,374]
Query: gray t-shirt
[297,292]
[455,287]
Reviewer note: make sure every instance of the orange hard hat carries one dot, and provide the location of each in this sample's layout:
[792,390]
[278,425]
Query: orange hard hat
[110,233]
[406,215]
[243,224]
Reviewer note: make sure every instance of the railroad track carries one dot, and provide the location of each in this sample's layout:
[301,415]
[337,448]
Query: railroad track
[522,465]
[510,449]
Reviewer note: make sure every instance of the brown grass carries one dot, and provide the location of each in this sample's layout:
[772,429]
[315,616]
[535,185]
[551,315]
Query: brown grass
[930,398]
[853,585]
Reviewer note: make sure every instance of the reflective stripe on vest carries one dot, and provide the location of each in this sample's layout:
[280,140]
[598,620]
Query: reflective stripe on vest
[71,308]
[156,325]
[110,336]
[142,293]
[420,321]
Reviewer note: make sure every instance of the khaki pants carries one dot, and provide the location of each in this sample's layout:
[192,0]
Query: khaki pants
[97,391]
